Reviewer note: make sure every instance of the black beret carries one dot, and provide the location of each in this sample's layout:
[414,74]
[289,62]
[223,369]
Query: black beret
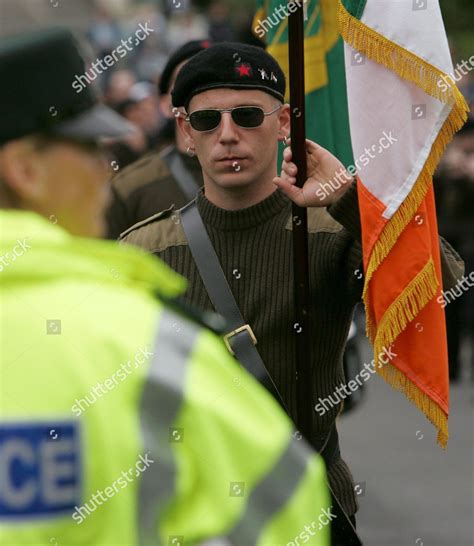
[231,65]
[186,51]
[37,95]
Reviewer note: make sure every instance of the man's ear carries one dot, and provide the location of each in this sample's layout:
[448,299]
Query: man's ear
[21,168]
[285,122]
[185,129]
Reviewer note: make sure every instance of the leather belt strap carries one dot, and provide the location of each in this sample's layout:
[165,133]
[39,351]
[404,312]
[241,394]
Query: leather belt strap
[240,339]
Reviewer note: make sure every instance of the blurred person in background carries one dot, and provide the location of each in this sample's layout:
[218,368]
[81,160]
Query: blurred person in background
[244,32]
[454,185]
[220,26]
[185,25]
[113,414]
[132,146]
[118,86]
[174,6]
[125,150]
[104,32]
[149,57]
[141,107]
[160,179]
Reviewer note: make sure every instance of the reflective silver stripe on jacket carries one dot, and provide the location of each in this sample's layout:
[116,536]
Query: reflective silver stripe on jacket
[272,493]
[162,398]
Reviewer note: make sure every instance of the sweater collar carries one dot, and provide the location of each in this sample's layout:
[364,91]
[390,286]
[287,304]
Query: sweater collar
[233,220]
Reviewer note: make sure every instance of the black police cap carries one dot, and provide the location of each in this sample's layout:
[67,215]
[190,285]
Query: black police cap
[37,71]
[230,65]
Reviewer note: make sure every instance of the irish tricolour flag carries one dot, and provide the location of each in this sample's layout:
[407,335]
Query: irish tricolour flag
[397,62]
[378,99]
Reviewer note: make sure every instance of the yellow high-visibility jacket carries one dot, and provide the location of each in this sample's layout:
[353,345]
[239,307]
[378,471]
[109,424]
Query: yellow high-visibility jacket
[122,421]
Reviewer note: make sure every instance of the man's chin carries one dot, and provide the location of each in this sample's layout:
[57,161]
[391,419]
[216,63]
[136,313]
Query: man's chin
[232,180]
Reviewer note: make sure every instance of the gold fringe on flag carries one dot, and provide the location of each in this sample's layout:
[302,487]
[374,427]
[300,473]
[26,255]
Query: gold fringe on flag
[423,287]
[404,309]
[396,58]
[439,419]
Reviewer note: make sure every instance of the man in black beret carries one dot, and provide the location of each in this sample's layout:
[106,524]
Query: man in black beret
[159,179]
[235,116]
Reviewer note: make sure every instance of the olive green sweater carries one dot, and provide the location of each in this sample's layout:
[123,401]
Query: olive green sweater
[254,246]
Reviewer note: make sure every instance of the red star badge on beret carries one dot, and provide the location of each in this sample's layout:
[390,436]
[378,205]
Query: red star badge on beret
[244,69]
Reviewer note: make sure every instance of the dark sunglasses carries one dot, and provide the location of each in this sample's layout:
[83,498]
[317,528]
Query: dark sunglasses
[248,117]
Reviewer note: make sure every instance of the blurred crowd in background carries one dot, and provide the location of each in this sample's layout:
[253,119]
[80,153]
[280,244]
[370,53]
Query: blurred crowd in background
[131,86]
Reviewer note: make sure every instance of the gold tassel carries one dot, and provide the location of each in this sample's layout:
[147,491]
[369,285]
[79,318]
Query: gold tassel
[404,309]
[396,58]
[408,304]
[416,295]
[396,379]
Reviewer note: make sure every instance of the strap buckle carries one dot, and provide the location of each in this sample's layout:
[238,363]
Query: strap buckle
[245,328]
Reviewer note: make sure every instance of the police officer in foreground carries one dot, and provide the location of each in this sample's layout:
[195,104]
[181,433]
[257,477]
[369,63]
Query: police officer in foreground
[122,421]
[159,179]
[234,242]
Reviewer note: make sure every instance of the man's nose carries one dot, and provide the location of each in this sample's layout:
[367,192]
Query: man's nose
[228,130]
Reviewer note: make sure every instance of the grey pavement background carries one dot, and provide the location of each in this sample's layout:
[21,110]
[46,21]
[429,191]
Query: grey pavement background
[412,493]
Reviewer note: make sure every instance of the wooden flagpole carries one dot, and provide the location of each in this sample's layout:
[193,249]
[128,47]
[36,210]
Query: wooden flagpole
[300,253]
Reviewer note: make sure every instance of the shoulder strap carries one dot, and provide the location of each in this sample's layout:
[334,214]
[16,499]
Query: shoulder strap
[180,172]
[240,340]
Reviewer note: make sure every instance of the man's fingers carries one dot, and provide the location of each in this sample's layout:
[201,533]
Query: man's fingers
[289,167]
[287,154]
[285,178]
[288,187]
[313,148]
[292,191]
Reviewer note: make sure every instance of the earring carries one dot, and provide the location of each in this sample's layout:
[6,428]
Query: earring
[285,141]
[190,151]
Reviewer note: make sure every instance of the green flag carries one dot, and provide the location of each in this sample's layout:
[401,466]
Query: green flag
[325,83]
